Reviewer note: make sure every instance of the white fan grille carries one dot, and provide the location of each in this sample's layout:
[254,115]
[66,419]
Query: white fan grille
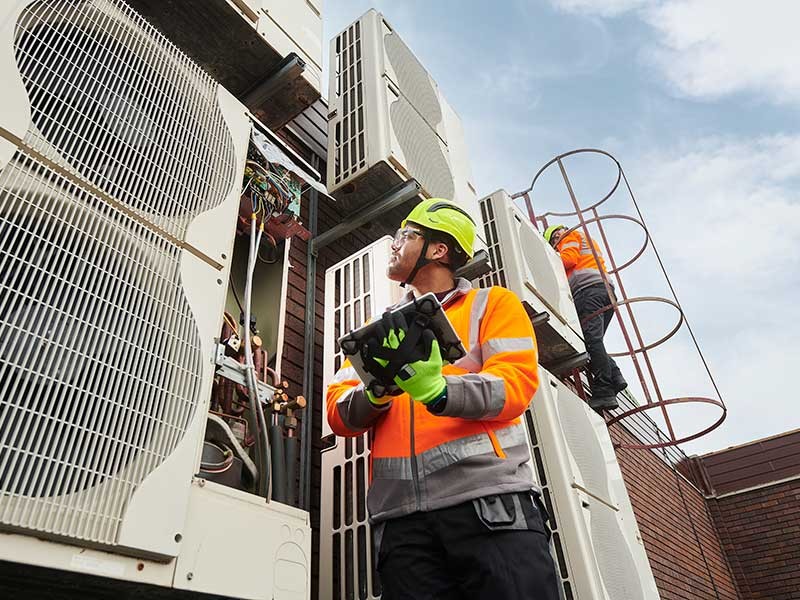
[350,149]
[114,100]
[100,361]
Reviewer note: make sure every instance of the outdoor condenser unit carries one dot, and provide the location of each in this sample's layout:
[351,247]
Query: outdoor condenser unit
[598,547]
[121,161]
[356,290]
[526,264]
[389,122]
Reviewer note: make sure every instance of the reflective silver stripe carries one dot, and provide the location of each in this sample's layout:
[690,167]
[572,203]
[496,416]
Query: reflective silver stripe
[474,396]
[498,345]
[478,309]
[392,468]
[448,453]
[346,374]
[472,362]
[512,435]
[570,245]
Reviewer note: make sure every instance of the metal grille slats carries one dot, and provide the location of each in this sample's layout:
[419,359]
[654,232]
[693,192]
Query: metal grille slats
[116,102]
[350,149]
[537,453]
[497,276]
[345,527]
[99,362]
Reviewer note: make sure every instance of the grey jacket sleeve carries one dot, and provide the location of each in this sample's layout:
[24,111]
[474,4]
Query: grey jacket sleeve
[357,413]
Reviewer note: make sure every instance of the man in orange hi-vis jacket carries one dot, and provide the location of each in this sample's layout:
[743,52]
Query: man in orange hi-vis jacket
[453,504]
[591,296]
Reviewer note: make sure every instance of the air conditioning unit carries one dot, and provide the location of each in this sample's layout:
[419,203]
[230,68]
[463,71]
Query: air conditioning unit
[526,264]
[121,161]
[294,26]
[597,543]
[356,290]
[389,122]
[267,53]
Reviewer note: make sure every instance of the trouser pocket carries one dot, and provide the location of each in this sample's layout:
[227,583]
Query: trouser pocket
[513,511]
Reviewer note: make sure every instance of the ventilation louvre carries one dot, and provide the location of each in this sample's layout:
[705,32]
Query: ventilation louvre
[497,276]
[349,151]
[355,290]
[116,102]
[101,361]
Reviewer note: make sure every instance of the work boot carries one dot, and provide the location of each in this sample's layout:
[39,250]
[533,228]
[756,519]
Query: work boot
[599,403]
[619,385]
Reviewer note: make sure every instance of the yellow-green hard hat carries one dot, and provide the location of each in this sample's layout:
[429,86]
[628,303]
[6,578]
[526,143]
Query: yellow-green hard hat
[548,233]
[446,216]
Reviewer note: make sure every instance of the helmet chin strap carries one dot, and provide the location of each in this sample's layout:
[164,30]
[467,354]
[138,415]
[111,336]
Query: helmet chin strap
[421,262]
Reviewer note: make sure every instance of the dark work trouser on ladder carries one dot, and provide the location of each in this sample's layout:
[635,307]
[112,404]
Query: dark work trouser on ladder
[607,379]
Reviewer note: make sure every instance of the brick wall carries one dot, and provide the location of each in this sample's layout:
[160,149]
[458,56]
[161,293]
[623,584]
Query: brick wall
[760,531]
[672,518]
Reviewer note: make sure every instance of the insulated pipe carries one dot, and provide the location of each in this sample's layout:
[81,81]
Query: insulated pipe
[292,447]
[278,464]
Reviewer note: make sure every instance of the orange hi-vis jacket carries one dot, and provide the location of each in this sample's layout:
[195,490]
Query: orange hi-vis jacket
[579,263]
[477,446]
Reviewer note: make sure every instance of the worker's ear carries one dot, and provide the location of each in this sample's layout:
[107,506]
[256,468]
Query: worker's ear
[437,250]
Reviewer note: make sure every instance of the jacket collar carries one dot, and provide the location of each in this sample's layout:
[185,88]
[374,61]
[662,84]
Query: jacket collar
[463,286]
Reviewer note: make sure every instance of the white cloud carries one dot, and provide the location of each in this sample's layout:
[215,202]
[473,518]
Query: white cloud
[709,48]
[712,48]
[725,216]
[729,207]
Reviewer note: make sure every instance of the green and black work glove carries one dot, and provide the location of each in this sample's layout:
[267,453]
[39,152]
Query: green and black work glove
[422,378]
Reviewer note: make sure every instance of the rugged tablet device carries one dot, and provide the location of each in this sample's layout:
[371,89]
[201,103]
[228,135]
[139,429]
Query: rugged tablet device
[364,345]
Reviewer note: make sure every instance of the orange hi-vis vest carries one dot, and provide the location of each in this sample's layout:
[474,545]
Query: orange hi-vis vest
[579,263]
[477,446]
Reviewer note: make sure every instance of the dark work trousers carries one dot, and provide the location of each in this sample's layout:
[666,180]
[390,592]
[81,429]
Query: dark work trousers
[492,548]
[606,376]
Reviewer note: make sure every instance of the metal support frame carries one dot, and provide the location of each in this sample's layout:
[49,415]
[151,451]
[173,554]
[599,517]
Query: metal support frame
[232,369]
[478,266]
[289,69]
[391,199]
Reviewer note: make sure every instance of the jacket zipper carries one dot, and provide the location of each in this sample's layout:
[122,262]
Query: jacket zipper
[413,457]
[412,453]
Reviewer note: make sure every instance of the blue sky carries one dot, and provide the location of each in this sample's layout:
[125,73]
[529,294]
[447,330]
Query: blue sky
[699,101]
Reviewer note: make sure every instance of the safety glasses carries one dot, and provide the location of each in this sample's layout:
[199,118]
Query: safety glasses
[401,236]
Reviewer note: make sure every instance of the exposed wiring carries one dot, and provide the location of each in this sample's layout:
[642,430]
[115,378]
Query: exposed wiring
[274,244]
[235,295]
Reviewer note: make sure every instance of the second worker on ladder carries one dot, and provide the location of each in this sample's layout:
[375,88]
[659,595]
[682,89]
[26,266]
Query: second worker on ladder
[590,295]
